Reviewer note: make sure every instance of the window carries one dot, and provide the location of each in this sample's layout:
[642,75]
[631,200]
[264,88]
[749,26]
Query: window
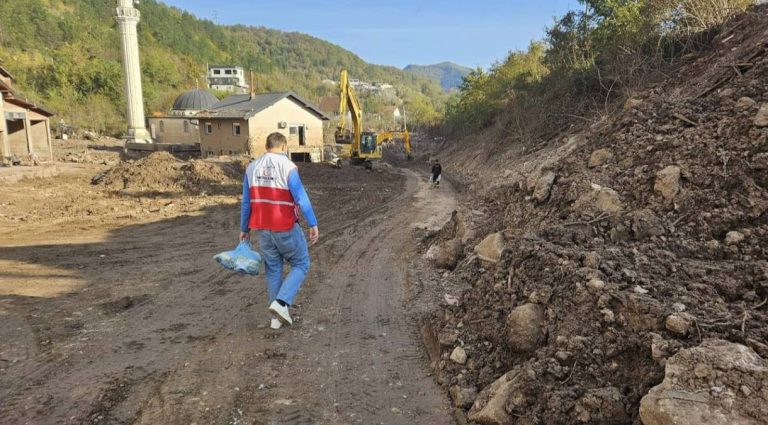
[208,128]
[236,129]
[294,131]
[216,72]
[228,72]
[186,126]
[162,126]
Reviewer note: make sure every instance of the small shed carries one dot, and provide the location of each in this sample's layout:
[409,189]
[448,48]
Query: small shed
[24,125]
[240,124]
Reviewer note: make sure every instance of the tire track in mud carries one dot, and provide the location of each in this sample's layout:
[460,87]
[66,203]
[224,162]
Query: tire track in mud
[357,356]
[195,348]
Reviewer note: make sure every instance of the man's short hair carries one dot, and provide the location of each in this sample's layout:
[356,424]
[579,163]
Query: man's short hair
[275,140]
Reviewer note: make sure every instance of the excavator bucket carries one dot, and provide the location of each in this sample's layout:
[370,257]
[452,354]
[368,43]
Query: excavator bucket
[343,137]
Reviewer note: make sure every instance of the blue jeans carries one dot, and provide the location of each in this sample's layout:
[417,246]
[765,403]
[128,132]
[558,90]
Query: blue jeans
[278,248]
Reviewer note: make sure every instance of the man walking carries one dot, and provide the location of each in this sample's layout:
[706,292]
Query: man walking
[437,171]
[272,195]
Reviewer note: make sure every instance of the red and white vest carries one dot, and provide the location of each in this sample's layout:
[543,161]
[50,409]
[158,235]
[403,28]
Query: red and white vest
[272,205]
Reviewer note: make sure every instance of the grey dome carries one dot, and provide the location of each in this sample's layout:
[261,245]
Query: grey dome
[194,100]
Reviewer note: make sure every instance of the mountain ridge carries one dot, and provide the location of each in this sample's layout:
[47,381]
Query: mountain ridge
[449,74]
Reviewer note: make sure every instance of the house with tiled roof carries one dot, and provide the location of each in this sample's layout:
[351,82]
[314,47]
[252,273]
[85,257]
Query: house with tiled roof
[240,124]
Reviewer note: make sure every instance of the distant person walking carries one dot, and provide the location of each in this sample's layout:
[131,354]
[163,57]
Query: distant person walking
[437,171]
[272,195]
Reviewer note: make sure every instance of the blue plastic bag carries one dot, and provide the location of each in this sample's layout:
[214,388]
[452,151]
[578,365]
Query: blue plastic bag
[243,259]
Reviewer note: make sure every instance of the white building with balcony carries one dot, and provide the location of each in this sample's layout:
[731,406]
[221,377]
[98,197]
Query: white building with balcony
[228,78]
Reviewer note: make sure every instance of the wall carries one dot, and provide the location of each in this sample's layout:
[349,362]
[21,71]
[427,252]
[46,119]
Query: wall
[4,147]
[17,138]
[221,141]
[173,130]
[40,139]
[265,123]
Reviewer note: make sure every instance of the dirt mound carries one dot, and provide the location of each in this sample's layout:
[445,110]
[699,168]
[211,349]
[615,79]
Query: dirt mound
[162,172]
[637,239]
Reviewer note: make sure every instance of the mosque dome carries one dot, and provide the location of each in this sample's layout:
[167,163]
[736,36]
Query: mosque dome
[194,100]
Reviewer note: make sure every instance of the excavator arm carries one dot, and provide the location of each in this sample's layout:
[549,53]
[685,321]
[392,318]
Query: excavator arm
[388,136]
[348,102]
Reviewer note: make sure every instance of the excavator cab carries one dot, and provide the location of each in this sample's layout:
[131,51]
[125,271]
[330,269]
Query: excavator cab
[368,143]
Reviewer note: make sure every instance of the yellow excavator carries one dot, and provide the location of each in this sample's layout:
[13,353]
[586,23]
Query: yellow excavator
[364,146]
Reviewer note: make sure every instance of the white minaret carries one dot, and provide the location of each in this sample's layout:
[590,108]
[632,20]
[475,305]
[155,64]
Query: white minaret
[127,18]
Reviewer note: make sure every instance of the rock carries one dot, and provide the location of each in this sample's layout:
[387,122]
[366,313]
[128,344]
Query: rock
[525,328]
[459,355]
[446,255]
[646,224]
[668,182]
[678,307]
[592,260]
[734,238]
[600,199]
[603,406]
[608,315]
[490,248]
[544,186]
[678,323]
[632,103]
[596,285]
[451,300]
[507,392]
[563,357]
[643,313]
[463,397]
[745,103]
[447,338]
[688,397]
[599,158]
[761,119]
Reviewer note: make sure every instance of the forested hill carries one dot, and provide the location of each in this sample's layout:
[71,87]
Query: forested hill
[66,54]
[449,74]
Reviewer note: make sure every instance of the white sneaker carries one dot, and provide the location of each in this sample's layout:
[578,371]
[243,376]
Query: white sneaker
[281,312]
[275,324]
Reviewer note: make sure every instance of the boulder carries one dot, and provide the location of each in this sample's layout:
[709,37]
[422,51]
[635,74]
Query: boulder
[690,396]
[646,224]
[446,255]
[745,103]
[761,119]
[525,328]
[599,199]
[490,248]
[463,396]
[679,323]
[632,103]
[668,182]
[507,392]
[592,260]
[599,158]
[643,313]
[544,186]
[734,238]
[459,355]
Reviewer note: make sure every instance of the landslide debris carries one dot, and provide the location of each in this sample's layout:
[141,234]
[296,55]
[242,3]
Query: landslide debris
[161,172]
[620,254]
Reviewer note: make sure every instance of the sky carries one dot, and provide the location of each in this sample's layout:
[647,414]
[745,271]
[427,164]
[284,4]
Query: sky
[399,32]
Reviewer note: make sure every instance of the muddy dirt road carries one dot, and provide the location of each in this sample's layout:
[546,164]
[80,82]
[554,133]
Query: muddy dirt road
[115,313]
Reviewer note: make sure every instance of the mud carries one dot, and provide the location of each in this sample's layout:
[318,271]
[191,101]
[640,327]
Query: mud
[113,310]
